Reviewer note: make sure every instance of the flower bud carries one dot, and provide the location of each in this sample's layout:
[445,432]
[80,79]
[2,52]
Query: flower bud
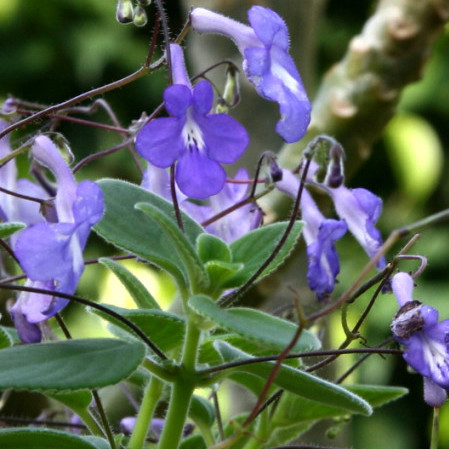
[125,12]
[140,18]
[231,94]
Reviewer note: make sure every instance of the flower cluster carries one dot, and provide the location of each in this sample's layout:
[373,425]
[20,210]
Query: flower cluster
[358,210]
[425,340]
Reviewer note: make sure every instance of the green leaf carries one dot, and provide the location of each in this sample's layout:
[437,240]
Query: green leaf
[129,229]
[295,414]
[298,382]
[42,439]
[97,442]
[209,247]
[141,296]
[193,442]
[208,354]
[197,275]
[377,395]
[69,365]
[282,435]
[202,410]
[219,272]
[10,334]
[5,338]
[75,400]
[8,229]
[254,325]
[164,329]
[255,247]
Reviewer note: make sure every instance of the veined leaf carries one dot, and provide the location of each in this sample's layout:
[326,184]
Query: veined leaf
[255,247]
[197,275]
[30,438]
[129,229]
[298,382]
[254,325]
[69,365]
[164,329]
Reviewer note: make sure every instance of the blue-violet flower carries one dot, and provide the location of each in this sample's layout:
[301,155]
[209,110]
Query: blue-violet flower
[360,209]
[320,233]
[425,340]
[198,141]
[267,64]
[51,253]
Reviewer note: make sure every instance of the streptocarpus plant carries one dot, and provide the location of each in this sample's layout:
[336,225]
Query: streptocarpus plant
[189,220]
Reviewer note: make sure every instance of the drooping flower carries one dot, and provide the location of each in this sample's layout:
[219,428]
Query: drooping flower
[425,340]
[320,233]
[192,137]
[267,64]
[51,253]
[360,209]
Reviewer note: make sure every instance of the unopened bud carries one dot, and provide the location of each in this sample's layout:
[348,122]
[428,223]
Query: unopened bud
[231,94]
[140,18]
[335,175]
[125,11]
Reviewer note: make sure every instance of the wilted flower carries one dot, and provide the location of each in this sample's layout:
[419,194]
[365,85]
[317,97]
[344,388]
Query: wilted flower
[51,253]
[197,140]
[267,64]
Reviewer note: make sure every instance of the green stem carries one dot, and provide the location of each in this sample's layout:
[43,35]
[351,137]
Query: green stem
[262,432]
[190,349]
[149,402]
[176,416]
[92,424]
[182,390]
[435,428]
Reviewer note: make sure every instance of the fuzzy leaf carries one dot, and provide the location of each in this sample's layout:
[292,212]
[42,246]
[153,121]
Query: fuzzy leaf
[298,382]
[141,296]
[255,247]
[69,365]
[193,266]
[164,329]
[9,228]
[42,439]
[131,230]
[254,325]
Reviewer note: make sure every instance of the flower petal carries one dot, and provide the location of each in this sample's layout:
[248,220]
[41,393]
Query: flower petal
[160,141]
[198,176]
[225,139]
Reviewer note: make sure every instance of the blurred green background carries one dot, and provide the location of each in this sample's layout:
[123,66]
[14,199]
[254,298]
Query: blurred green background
[53,50]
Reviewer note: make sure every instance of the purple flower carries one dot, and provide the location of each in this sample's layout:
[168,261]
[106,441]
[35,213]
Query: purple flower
[320,234]
[360,209]
[425,340]
[264,46]
[230,227]
[235,224]
[51,253]
[11,207]
[198,141]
